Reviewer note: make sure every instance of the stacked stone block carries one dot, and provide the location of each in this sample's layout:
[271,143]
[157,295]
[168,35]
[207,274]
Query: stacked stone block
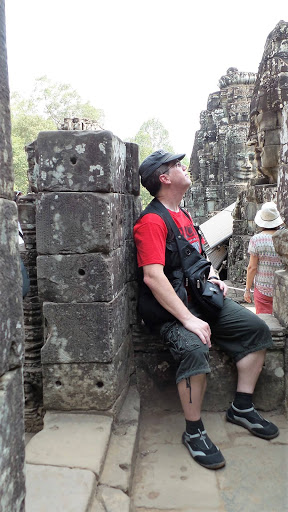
[33,320]
[12,481]
[88,200]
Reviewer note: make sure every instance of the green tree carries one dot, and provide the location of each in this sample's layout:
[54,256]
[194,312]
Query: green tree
[57,101]
[151,136]
[45,109]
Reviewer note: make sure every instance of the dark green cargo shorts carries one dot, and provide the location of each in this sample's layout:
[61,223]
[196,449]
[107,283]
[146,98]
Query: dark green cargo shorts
[236,330]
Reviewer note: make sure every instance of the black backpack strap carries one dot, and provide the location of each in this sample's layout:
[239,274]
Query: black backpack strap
[184,247]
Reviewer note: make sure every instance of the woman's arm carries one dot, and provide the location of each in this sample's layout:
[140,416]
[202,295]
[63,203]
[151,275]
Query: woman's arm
[251,272]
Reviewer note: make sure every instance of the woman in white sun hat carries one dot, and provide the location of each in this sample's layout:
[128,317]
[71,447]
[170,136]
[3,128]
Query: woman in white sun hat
[264,260]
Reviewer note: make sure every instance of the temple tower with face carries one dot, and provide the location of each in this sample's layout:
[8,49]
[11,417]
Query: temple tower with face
[222,162]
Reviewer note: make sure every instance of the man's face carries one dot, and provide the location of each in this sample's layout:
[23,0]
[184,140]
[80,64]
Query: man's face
[178,173]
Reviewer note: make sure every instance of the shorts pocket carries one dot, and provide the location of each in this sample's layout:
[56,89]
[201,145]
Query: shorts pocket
[180,341]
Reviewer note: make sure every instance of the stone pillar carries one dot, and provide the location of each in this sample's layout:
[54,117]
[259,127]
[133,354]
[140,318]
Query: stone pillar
[33,320]
[280,238]
[12,480]
[87,203]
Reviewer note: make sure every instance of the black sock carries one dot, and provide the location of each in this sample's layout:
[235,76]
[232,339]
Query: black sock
[192,427]
[243,400]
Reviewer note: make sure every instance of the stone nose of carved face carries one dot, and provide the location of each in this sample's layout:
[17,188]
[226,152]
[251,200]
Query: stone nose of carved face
[247,165]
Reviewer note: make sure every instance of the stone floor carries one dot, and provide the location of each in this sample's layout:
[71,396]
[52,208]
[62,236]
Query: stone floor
[167,478]
[79,463]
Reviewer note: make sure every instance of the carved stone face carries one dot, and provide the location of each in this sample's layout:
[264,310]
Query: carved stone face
[268,144]
[241,157]
[245,164]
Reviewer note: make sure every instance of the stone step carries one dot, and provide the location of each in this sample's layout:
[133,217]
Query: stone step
[71,440]
[58,489]
[83,462]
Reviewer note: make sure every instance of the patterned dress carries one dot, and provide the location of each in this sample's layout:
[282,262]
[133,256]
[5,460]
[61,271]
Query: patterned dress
[261,245]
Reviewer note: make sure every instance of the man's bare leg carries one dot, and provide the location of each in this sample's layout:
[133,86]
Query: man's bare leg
[242,410]
[198,383]
[249,369]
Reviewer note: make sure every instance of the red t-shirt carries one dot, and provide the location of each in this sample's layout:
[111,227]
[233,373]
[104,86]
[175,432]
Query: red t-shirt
[150,234]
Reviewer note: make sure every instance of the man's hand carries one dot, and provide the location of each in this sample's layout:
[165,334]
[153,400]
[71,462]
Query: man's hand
[221,285]
[165,294]
[199,327]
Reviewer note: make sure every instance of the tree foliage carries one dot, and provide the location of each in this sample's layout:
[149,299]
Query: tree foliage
[58,100]
[45,109]
[151,136]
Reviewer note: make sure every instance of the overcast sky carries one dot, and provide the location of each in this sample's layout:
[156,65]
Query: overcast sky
[138,59]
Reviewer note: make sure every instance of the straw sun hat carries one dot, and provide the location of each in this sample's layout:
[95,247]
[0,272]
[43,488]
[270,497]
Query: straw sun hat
[268,216]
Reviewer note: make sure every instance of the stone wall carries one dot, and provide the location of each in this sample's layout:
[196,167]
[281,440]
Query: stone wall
[87,200]
[11,325]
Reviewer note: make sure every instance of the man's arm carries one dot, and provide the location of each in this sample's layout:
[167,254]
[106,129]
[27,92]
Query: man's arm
[165,294]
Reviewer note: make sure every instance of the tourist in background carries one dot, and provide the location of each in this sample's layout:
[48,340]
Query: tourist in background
[264,260]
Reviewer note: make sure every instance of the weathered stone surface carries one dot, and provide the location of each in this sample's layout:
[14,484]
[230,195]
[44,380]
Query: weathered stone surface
[80,123]
[11,325]
[33,166]
[270,388]
[33,319]
[81,161]
[282,199]
[269,96]
[57,489]
[84,277]
[130,410]
[221,162]
[166,476]
[132,181]
[12,476]
[280,241]
[33,389]
[280,309]
[119,463]
[114,500]
[118,468]
[6,175]
[73,440]
[86,386]
[71,222]
[103,269]
[85,332]
[27,212]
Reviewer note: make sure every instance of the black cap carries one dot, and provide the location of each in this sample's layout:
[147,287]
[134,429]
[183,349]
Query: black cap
[155,160]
